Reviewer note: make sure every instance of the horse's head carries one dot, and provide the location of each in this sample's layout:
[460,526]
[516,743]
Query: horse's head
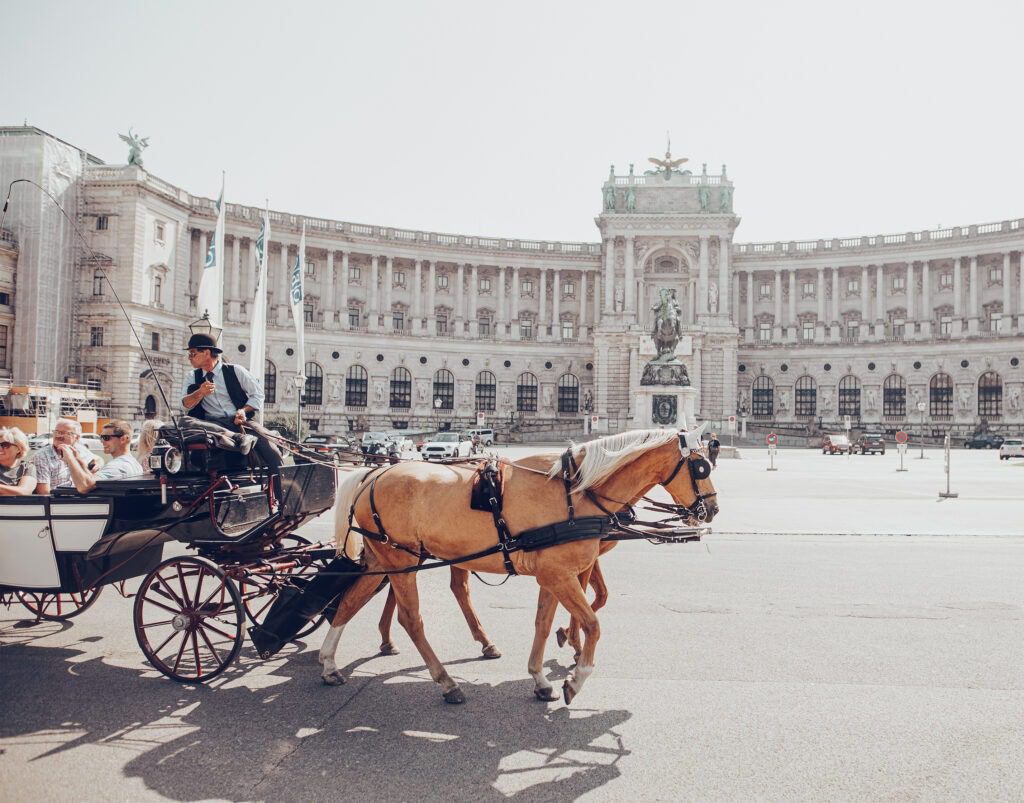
[689,484]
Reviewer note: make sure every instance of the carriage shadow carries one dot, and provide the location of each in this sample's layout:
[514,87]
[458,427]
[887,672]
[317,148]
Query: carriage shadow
[383,734]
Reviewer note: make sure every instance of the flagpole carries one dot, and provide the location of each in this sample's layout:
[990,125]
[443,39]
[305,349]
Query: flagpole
[298,314]
[258,322]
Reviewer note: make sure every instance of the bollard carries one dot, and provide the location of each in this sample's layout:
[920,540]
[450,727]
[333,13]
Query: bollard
[948,493]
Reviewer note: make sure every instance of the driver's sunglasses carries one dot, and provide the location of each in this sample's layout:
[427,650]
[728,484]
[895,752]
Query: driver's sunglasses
[116,434]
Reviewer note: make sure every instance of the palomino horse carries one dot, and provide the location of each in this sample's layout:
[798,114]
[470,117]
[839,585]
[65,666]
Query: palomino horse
[413,509]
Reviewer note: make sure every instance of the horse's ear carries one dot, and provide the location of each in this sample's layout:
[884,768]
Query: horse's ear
[693,436]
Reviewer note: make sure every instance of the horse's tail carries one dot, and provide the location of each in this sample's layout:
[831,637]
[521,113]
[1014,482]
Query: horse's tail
[346,541]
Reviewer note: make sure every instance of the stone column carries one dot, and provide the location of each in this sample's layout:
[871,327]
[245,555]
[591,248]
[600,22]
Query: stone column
[284,298]
[460,300]
[735,291]
[1004,323]
[821,324]
[556,307]
[958,291]
[514,312]
[973,310]
[373,294]
[1020,295]
[474,286]
[417,297]
[911,292]
[596,317]
[724,262]
[431,312]
[835,304]
[777,325]
[344,290]
[389,282]
[925,315]
[583,301]
[609,275]
[542,296]
[792,305]
[329,291]
[499,314]
[702,284]
[865,298]
[630,278]
[750,303]
[880,301]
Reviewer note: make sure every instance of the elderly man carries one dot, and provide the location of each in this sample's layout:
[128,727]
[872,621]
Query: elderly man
[225,394]
[116,437]
[51,469]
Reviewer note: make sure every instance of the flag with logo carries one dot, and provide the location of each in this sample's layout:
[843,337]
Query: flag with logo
[210,300]
[258,323]
[298,306]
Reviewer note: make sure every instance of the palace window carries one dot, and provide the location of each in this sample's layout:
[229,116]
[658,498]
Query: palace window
[569,289]
[945,281]
[946,326]
[762,397]
[808,289]
[158,232]
[990,395]
[398,320]
[525,329]
[3,346]
[568,394]
[313,393]
[808,330]
[764,332]
[401,389]
[899,327]
[158,288]
[154,341]
[442,282]
[567,333]
[310,267]
[806,396]
[444,388]
[353,317]
[102,221]
[894,396]
[526,393]
[5,299]
[484,326]
[527,286]
[398,278]
[354,273]
[899,284]
[95,335]
[269,383]
[97,282]
[442,324]
[853,285]
[356,385]
[995,321]
[486,391]
[307,312]
[940,395]
[849,396]
[765,290]
[93,383]
[485,285]
[853,330]
[995,274]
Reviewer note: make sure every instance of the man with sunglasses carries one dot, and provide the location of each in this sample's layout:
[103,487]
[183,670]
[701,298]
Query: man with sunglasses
[116,439]
[51,468]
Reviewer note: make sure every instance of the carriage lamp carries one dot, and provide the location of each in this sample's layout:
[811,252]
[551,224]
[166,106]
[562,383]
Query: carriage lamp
[204,326]
[165,459]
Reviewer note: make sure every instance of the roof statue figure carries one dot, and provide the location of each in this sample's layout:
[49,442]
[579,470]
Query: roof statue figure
[630,200]
[726,197]
[136,145]
[609,198]
[668,164]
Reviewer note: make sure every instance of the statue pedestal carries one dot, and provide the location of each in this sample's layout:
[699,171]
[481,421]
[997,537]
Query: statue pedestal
[663,405]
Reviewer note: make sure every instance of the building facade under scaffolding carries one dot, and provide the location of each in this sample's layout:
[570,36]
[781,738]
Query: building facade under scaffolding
[414,329]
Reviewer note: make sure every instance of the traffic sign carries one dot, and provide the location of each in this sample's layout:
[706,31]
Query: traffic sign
[481,419]
[772,439]
[732,423]
[847,423]
[902,437]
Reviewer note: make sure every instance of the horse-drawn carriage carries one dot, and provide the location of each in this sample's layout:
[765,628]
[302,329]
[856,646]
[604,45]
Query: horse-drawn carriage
[58,552]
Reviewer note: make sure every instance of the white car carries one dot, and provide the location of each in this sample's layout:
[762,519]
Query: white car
[92,443]
[39,441]
[446,445]
[1012,447]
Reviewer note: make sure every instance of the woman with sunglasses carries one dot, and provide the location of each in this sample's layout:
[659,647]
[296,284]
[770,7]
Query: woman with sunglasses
[116,438]
[17,475]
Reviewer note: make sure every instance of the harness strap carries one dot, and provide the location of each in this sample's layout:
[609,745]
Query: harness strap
[489,477]
[569,470]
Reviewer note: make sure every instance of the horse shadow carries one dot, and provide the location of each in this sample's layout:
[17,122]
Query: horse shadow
[271,731]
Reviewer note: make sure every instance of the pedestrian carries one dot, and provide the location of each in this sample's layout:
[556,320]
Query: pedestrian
[714,445]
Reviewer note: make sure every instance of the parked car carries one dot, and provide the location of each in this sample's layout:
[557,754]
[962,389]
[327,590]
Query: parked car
[1011,447]
[446,445]
[92,443]
[986,440]
[486,436]
[869,443]
[836,444]
[327,444]
[39,441]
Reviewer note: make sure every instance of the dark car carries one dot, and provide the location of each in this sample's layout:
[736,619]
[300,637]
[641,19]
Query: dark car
[987,440]
[327,444]
[869,443]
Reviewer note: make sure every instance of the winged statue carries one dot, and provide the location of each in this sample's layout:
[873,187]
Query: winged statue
[668,163]
[136,145]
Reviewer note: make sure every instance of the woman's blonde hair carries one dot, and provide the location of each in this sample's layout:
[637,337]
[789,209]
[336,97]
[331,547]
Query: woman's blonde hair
[149,434]
[17,437]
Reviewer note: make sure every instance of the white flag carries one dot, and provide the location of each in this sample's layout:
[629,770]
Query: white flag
[258,324]
[298,296]
[210,300]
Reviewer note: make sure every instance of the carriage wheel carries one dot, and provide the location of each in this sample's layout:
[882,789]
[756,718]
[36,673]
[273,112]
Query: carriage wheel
[258,596]
[188,619]
[58,607]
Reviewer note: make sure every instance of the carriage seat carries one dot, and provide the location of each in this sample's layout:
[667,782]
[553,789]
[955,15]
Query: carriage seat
[204,448]
[189,438]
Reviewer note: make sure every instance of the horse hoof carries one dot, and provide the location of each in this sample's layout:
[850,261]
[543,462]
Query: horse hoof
[568,693]
[490,651]
[454,696]
[387,648]
[334,678]
[561,637]
[546,694]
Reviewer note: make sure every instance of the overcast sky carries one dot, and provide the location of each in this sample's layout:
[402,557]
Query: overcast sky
[834,119]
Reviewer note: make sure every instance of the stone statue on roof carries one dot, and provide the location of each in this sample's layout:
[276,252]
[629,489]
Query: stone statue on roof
[136,145]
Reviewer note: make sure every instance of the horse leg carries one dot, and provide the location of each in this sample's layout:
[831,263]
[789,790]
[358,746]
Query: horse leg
[546,607]
[387,646]
[460,588]
[569,593]
[571,634]
[354,599]
[409,617]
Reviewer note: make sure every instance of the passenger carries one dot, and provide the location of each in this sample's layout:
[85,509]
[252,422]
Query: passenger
[116,439]
[148,436]
[51,470]
[227,395]
[17,475]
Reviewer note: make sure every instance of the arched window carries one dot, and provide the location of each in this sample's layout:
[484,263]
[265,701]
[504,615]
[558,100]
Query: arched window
[444,389]
[849,396]
[150,407]
[940,395]
[401,388]
[568,394]
[486,391]
[806,397]
[894,396]
[526,393]
[269,383]
[314,392]
[762,397]
[990,395]
[355,386]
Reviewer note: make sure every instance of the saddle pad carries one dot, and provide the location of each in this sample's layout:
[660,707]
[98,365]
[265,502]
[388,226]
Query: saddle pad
[489,481]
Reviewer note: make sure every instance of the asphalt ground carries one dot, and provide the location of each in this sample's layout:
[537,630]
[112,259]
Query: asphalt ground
[819,645]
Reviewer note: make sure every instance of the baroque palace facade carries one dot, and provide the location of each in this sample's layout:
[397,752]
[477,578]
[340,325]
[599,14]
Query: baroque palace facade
[414,329]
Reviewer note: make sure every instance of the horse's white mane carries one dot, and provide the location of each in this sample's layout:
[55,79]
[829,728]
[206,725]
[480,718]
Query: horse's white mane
[605,456]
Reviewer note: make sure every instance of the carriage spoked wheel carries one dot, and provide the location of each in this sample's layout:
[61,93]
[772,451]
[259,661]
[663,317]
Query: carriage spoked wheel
[188,619]
[58,607]
[260,592]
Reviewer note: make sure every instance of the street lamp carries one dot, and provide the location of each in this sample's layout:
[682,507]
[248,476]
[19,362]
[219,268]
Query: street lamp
[300,386]
[204,326]
[921,408]
[437,413]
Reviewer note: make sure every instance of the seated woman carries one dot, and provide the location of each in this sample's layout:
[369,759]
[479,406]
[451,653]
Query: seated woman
[148,436]
[17,475]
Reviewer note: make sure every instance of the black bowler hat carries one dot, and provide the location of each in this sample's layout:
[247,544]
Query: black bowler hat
[202,341]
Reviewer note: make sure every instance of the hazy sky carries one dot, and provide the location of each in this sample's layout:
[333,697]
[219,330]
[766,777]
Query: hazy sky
[502,119]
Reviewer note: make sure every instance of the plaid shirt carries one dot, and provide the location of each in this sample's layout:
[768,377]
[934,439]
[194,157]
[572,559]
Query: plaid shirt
[51,468]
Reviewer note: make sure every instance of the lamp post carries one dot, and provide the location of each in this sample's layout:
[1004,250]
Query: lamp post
[300,386]
[921,409]
[437,413]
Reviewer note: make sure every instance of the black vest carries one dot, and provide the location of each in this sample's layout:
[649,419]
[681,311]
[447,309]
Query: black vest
[238,396]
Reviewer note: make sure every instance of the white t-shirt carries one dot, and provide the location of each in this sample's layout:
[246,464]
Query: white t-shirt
[119,468]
